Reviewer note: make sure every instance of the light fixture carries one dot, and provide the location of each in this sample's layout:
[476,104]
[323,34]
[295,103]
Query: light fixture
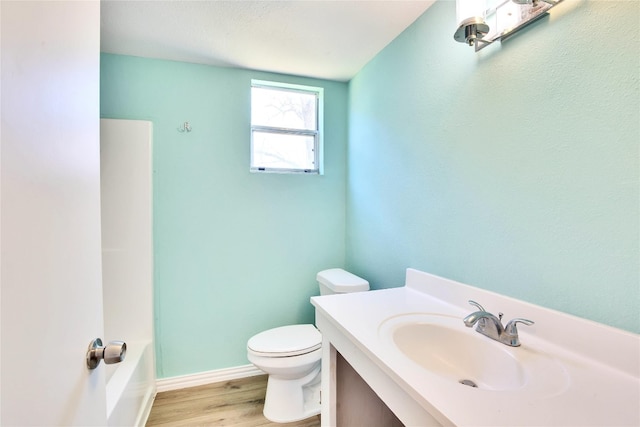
[482,22]
[471,24]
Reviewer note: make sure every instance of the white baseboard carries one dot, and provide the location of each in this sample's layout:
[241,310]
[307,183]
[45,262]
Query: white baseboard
[208,377]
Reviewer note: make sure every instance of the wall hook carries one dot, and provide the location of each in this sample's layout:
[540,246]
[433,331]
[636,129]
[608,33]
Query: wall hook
[186,127]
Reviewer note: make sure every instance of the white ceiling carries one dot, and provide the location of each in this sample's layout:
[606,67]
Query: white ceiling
[329,39]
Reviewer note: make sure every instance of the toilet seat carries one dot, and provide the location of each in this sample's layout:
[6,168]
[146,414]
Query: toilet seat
[285,341]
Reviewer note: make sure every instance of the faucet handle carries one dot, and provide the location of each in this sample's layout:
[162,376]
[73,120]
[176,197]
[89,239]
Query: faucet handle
[511,331]
[511,328]
[475,304]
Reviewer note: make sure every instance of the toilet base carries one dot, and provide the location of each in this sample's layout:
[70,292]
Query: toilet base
[292,400]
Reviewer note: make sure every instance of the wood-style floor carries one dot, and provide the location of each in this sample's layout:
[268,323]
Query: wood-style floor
[231,403]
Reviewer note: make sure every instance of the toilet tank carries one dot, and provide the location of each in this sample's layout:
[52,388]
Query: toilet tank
[339,281]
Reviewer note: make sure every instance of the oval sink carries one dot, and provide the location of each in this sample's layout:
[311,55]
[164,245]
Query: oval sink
[444,346]
[459,356]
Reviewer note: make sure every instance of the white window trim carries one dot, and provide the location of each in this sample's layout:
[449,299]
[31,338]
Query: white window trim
[317,134]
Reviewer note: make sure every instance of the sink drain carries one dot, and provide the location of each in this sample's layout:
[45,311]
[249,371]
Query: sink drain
[469,383]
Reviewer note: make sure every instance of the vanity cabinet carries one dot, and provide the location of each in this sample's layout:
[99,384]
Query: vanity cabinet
[356,403]
[362,396]
[555,379]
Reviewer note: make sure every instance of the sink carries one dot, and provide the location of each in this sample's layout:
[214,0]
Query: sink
[442,345]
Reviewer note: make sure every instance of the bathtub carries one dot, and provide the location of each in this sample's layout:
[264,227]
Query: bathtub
[131,386]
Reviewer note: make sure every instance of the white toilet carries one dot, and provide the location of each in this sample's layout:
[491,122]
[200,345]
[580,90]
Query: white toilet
[291,356]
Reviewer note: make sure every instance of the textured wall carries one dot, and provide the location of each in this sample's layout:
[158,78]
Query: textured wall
[515,169]
[235,252]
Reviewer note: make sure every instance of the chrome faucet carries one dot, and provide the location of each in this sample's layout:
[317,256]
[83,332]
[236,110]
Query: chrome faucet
[491,326]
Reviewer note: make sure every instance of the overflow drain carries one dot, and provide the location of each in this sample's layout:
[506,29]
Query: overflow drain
[469,383]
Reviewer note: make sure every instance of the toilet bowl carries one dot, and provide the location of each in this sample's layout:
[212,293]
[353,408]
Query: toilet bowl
[291,356]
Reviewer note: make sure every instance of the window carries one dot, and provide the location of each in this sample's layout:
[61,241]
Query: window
[286,123]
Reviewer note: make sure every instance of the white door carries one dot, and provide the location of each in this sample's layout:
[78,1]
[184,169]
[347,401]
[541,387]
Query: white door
[50,264]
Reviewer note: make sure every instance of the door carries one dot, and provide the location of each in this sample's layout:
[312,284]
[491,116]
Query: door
[50,263]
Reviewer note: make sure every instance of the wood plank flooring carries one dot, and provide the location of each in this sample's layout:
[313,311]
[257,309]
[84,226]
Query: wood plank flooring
[232,403]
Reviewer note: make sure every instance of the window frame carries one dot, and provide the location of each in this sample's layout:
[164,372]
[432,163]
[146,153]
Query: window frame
[317,134]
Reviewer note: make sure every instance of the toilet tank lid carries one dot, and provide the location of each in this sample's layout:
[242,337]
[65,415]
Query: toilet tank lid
[341,281]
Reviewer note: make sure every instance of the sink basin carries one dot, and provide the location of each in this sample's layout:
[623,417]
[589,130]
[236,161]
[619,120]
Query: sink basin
[442,345]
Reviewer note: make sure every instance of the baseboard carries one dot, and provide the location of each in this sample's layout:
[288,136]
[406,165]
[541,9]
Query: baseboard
[208,377]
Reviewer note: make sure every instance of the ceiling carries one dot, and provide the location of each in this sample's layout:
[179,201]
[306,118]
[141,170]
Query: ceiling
[329,39]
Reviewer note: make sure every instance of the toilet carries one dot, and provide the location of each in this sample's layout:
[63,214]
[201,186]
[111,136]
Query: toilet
[291,356]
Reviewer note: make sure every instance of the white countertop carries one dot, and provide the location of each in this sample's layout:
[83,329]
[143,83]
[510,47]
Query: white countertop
[597,382]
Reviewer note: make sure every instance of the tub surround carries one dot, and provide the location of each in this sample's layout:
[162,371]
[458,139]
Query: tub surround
[126,186]
[598,383]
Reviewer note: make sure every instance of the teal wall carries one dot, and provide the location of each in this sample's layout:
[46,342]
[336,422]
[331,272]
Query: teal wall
[515,169]
[235,252]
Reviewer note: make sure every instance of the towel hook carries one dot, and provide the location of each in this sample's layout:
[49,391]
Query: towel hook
[186,127]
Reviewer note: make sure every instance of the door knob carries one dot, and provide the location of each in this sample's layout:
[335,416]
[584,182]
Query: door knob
[114,352]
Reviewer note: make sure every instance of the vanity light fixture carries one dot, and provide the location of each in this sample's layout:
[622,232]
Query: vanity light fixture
[482,22]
